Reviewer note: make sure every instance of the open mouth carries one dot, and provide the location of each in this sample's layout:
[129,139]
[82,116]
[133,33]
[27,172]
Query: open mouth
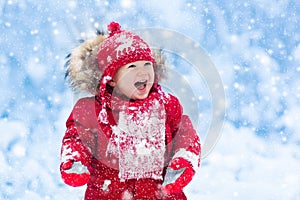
[140,85]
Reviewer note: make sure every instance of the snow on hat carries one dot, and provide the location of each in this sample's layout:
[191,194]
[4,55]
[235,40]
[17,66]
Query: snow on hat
[118,49]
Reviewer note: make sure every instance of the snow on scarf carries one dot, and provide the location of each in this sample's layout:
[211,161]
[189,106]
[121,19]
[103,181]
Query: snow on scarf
[138,138]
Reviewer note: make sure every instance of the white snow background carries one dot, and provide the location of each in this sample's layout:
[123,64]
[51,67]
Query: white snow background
[255,46]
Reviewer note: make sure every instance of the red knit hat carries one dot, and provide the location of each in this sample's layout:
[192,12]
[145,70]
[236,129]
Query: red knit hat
[118,49]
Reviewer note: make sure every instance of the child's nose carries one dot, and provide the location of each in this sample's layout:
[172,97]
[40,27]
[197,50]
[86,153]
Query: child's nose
[141,71]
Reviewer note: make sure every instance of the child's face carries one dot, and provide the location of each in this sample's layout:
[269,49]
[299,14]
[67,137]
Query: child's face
[134,80]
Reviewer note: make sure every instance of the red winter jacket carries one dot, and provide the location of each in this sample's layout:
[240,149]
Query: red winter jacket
[91,141]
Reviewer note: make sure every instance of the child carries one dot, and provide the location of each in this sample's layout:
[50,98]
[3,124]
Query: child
[130,140]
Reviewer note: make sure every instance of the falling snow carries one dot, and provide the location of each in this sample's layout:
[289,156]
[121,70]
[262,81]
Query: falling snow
[255,46]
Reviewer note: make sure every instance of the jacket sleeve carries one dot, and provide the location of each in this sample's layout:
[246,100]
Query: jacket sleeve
[78,143]
[185,140]
[186,143]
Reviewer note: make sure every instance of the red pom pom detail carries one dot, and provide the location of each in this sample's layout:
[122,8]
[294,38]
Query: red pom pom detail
[114,28]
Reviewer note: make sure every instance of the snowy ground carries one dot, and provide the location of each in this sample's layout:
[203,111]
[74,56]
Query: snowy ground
[245,167]
[254,45]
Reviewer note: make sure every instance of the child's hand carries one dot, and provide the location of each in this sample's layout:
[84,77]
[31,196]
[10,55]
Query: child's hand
[75,174]
[75,162]
[178,175]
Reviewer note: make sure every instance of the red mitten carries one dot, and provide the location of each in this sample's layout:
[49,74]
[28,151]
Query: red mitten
[77,175]
[178,175]
[75,162]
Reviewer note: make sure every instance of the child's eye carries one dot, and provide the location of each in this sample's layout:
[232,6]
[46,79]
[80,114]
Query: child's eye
[148,64]
[131,66]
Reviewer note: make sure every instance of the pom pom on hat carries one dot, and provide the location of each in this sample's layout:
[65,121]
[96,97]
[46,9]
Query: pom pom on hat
[114,27]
